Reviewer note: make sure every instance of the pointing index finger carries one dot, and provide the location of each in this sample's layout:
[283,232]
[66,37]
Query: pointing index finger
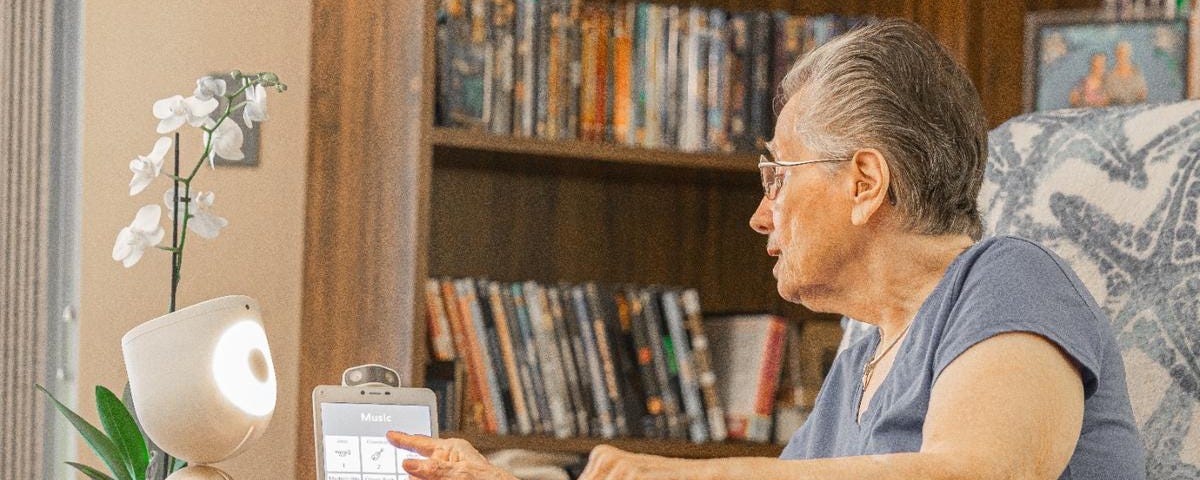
[420,444]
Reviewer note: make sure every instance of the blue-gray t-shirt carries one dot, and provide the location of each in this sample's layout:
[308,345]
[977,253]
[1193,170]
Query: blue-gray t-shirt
[1002,284]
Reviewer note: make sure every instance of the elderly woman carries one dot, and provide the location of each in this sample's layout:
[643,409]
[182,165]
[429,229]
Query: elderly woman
[991,360]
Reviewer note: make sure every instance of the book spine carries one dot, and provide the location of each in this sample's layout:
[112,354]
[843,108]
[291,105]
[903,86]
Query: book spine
[622,74]
[520,353]
[550,359]
[703,359]
[440,341]
[741,79]
[633,393]
[504,330]
[688,384]
[718,83]
[760,82]
[606,345]
[658,350]
[480,37]
[539,408]
[674,26]
[494,421]
[759,427]
[503,395]
[655,76]
[604,413]
[588,94]
[638,80]
[653,424]
[571,35]
[691,128]
[578,411]
[472,416]
[502,41]
[524,71]
[586,412]
[544,22]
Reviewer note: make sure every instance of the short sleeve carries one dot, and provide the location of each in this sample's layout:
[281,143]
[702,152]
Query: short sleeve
[1018,286]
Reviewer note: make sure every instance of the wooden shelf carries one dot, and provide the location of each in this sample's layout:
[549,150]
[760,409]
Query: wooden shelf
[594,151]
[662,447]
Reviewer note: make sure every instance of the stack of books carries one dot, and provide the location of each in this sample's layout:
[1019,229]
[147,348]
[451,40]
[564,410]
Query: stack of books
[586,360]
[642,74]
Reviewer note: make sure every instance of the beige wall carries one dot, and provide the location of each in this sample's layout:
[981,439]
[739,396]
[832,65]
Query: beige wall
[136,52]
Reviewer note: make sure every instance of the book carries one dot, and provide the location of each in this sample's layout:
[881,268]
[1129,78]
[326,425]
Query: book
[673,26]
[515,392]
[524,69]
[760,123]
[606,347]
[653,423]
[484,368]
[693,80]
[585,411]
[539,408]
[703,359]
[501,54]
[472,416]
[575,391]
[605,425]
[662,357]
[719,62]
[549,357]
[629,380]
[689,384]
[741,78]
[623,24]
[441,344]
[752,349]
[462,46]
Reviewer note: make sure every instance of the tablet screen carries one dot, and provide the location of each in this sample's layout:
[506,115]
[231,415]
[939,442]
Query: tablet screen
[355,442]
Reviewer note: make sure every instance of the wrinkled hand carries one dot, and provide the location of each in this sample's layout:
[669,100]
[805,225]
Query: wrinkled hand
[611,463]
[446,459]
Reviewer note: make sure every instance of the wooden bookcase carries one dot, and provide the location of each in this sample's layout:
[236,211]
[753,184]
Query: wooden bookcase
[392,199]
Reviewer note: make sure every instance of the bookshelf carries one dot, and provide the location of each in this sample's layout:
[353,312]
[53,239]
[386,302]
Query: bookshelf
[392,199]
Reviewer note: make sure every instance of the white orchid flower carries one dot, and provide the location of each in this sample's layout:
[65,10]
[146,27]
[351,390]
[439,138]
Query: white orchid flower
[146,168]
[143,233]
[256,105]
[227,141]
[204,222]
[174,111]
[209,87]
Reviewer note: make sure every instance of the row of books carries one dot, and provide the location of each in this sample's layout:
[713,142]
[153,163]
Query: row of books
[580,360]
[658,76]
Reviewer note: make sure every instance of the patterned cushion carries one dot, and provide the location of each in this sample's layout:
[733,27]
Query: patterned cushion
[1115,192]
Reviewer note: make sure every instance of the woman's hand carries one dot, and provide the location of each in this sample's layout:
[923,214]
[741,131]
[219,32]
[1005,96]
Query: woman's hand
[446,459]
[611,463]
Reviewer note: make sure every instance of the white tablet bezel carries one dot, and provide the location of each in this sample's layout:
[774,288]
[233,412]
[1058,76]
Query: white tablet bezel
[367,396]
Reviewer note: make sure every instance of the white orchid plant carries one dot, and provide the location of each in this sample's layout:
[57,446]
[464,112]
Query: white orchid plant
[221,138]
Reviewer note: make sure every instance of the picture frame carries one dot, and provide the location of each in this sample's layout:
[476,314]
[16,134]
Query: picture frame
[1088,58]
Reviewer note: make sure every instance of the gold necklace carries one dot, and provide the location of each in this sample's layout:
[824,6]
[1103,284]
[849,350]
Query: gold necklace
[870,367]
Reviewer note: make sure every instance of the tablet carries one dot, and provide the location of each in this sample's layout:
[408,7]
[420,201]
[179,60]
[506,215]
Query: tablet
[351,424]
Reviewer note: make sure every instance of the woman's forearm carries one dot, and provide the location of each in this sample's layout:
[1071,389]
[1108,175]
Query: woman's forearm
[897,465]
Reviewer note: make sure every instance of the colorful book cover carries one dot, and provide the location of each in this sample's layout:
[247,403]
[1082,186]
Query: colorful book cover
[623,24]
[620,326]
[703,360]
[589,124]
[569,119]
[544,25]
[717,125]
[515,393]
[752,349]
[506,412]
[689,384]
[604,410]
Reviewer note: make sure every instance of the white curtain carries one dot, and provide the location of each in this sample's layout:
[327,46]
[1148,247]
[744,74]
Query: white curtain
[38,225]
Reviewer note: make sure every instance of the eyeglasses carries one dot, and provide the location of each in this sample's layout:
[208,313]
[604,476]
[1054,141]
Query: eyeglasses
[772,172]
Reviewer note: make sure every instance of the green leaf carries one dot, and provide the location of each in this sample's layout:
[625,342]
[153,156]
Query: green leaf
[123,430]
[96,439]
[90,472]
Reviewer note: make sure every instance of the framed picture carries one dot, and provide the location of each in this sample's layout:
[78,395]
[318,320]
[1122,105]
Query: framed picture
[1076,59]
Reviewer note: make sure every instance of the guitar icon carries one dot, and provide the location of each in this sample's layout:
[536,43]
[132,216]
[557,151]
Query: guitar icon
[375,456]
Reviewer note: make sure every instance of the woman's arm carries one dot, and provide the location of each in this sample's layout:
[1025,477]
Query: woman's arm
[1009,407]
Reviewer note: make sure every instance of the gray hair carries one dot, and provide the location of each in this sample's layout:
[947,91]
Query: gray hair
[890,86]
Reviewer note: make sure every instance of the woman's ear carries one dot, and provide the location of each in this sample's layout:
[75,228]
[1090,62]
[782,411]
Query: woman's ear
[871,175]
